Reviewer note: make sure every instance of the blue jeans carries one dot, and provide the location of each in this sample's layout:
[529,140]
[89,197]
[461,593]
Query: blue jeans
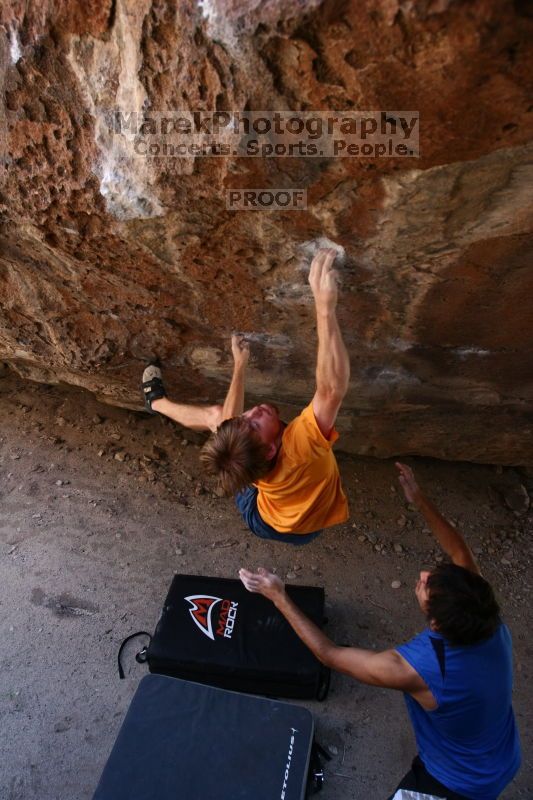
[247,504]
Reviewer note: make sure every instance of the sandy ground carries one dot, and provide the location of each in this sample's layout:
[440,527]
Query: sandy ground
[100,506]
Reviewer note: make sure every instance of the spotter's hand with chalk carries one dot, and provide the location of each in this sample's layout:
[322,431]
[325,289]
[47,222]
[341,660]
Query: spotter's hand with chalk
[263,582]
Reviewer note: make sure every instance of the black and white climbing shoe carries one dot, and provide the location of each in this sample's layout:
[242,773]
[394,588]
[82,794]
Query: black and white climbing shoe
[153,387]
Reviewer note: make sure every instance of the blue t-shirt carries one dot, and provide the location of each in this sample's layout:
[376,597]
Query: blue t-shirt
[470,741]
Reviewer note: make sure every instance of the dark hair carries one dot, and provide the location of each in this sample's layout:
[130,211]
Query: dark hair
[461,604]
[235,455]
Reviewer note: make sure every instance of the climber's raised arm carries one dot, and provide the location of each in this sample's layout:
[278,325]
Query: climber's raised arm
[333,364]
[234,402]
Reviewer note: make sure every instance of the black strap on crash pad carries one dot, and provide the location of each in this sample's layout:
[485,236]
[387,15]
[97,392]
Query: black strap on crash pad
[141,655]
[315,779]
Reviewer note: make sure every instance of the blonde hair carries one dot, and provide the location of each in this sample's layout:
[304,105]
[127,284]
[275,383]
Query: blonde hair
[235,455]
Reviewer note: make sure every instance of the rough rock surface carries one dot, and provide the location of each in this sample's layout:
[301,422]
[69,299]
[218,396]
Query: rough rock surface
[106,260]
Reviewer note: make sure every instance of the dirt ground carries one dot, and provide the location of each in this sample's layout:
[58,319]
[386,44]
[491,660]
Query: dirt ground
[100,506]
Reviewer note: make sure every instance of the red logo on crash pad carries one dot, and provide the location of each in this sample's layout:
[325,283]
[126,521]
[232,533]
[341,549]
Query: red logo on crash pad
[201,611]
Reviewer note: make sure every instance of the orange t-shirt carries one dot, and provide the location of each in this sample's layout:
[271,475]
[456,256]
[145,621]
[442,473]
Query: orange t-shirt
[303,493]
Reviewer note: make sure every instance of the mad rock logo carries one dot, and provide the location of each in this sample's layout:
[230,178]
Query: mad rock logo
[205,606]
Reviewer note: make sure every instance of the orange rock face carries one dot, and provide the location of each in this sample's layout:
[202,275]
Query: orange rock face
[108,258]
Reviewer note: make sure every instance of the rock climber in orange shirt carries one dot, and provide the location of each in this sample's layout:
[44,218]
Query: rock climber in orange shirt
[284,476]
